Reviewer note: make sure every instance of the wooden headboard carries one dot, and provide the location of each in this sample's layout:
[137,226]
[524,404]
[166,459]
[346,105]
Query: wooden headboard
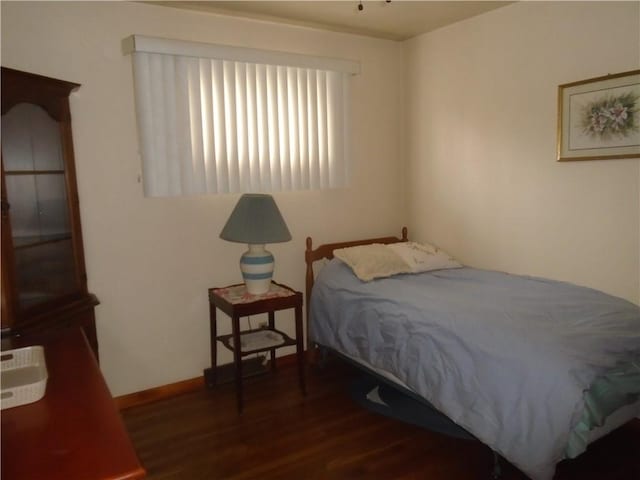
[326,251]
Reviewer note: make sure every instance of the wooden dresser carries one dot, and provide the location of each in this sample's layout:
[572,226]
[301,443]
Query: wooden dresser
[75,431]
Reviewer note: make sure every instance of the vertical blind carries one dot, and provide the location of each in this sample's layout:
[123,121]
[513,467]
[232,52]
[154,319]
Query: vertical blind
[215,119]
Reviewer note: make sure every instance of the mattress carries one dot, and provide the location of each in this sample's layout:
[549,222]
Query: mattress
[506,357]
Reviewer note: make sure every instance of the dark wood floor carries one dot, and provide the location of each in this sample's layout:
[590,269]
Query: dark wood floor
[282,435]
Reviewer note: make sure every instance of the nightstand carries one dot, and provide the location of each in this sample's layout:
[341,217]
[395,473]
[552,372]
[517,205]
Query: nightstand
[236,302]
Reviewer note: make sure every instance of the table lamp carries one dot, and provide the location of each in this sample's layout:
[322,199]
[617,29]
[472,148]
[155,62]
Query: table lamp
[256,221]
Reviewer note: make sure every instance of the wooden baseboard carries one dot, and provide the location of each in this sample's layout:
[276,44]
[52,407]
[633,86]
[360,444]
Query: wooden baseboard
[185,386]
[158,393]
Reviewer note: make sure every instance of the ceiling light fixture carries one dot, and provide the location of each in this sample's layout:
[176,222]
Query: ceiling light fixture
[361,6]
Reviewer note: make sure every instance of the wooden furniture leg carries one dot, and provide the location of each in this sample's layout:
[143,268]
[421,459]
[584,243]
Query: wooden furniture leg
[214,344]
[272,325]
[237,358]
[300,348]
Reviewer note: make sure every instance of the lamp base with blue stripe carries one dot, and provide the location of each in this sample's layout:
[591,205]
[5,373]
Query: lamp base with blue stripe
[256,265]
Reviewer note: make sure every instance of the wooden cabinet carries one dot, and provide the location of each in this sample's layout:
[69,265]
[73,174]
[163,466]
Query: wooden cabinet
[44,282]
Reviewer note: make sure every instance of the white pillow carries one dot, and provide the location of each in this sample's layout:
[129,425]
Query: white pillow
[372,261]
[377,260]
[422,257]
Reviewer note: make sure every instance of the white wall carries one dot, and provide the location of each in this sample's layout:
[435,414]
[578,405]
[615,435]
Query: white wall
[483,179]
[150,261]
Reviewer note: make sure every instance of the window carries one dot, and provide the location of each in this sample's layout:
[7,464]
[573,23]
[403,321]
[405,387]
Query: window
[219,119]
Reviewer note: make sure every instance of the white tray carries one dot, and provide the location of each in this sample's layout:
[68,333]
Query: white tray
[23,376]
[260,339]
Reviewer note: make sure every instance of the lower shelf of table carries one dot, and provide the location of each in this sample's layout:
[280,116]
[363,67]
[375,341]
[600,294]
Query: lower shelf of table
[258,340]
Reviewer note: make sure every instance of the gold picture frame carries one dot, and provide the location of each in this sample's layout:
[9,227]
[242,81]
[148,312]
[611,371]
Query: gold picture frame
[599,118]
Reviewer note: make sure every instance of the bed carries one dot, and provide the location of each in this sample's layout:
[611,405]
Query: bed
[534,368]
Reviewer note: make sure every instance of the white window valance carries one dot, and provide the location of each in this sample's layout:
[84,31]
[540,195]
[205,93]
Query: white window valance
[221,119]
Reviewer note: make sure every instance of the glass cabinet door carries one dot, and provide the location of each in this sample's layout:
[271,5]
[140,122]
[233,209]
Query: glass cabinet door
[36,193]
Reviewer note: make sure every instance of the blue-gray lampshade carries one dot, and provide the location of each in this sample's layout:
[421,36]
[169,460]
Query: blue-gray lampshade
[256,220]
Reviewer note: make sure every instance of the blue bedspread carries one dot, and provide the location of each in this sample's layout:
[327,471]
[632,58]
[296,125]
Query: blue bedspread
[507,357]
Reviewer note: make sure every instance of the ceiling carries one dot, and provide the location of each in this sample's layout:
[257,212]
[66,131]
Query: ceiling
[393,20]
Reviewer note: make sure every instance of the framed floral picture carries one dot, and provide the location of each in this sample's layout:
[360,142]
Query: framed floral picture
[599,118]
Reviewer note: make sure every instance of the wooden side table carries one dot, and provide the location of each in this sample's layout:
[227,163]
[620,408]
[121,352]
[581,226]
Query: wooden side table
[236,302]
